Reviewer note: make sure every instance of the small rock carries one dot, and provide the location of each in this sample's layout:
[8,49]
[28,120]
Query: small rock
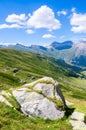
[78,125]
[77,121]
[32,77]
[15,70]
[22,81]
[77,116]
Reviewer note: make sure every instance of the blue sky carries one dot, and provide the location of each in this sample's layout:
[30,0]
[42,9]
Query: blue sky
[42,21]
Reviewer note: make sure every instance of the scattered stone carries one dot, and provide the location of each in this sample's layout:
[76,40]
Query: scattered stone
[77,116]
[32,77]
[78,125]
[22,81]
[77,121]
[15,70]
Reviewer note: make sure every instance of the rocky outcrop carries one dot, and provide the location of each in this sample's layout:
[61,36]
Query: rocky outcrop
[44,86]
[37,99]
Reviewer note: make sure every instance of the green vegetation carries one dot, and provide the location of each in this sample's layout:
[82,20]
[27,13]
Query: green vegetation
[31,67]
[10,119]
[13,101]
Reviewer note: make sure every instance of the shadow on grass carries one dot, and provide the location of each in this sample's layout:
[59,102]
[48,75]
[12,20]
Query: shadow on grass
[85,119]
[69,111]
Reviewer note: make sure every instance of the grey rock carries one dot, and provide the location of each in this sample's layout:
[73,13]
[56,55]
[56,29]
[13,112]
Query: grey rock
[34,104]
[48,80]
[47,89]
[77,116]
[22,81]
[77,121]
[78,125]
[40,104]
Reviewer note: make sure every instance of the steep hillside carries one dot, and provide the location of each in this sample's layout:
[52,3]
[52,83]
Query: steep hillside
[28,66]
[18,68]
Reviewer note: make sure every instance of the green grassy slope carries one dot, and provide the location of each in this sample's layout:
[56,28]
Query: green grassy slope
[32,67]
[28,65]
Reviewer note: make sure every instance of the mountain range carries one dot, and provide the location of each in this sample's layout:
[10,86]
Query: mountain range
[68,51]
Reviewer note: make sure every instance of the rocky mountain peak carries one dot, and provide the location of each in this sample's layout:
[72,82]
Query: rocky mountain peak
[62,45]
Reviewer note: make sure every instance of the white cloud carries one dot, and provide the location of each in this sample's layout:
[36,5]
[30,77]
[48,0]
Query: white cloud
[44,18]
[29,31]
[14,18]
[48,36]
[3,26]
[78,22]
[14,21]
[62,12]
[73,9]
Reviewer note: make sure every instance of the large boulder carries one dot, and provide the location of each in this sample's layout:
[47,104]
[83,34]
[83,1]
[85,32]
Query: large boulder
[37,99]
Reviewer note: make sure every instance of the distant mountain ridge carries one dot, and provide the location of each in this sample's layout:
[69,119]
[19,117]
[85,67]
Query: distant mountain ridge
[63,45]
[70,52]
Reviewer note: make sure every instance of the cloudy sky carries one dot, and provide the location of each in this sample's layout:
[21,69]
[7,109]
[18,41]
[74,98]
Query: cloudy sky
[42,21]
